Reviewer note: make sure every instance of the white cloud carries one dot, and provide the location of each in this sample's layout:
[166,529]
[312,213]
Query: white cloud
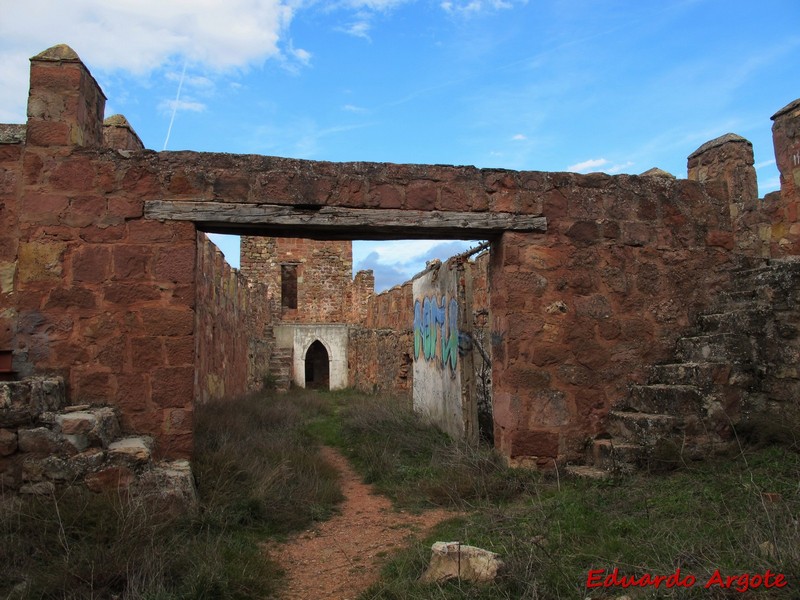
[587,165]
[619,168]
[359,29]
[304,56]
[353,108]
[474,6]
[519,137]
[137,36]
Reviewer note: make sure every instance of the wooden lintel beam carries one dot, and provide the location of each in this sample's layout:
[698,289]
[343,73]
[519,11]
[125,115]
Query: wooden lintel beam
[342,222]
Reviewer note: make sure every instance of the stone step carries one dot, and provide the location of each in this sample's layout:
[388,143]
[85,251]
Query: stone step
[637,427]
[23,402]
[665,398]
[137,449]
[614,455]
[744,297]
[734,321]
[701,375]
[716,347]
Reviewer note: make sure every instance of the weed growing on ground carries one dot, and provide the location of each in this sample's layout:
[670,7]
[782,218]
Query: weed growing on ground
[738,516]
[258,472]
[413,462]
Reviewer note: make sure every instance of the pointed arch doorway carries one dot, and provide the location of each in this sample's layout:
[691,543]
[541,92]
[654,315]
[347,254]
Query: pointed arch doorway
[317,366]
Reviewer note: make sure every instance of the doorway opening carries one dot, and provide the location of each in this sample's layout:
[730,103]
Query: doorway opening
[317,367]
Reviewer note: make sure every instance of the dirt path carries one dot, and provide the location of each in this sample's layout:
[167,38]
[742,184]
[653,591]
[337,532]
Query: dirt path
[340,558]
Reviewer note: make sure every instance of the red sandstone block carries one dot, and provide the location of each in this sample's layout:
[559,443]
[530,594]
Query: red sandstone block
[175,446]
[133,395]
[231,187]
[112,354]
[173,387]
[105,177]
[99,327]
[147,353]
[92,386]
[140,183]
[503,200]
[385,196]
[720,239]
[6,331]
[187,183]
[55,76]
[176,264]
[70,298]
[131,262]
[75,174]
[110,479]
[10,153]
[636,234]
[47,133]
[84,211]
[148,232]
[102,234]
[125,208]
[66,352]
[127,294]
[180,350]
[91,263]
[183,295]
[584,233]
[167,321]
[534,443]
[45,209]
[32,166]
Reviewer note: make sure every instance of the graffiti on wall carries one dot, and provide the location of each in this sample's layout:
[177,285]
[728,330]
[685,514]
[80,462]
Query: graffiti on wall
[436,331]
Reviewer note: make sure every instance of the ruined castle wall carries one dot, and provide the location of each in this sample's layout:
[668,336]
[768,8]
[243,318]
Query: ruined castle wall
[106,296]
[581,312]
[381,348]
[784,208]
[11,149]
[233,328]
[324,272]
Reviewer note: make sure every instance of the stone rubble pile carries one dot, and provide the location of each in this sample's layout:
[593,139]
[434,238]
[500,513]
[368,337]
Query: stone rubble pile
[45,443]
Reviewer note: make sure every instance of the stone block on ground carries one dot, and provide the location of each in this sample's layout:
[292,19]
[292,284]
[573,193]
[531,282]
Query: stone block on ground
[43,441]
[171,485]
[453,560]
[136,449]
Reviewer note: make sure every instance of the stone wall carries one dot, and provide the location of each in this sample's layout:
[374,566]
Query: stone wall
[580,313]
[443,387]
[233,335]
[324,275]
[381,349]
[784,208]
[104,293]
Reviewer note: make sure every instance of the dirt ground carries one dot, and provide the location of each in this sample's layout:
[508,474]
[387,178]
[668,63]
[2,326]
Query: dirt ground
[340,558]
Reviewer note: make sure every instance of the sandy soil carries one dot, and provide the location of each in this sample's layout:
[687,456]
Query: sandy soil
[340,558]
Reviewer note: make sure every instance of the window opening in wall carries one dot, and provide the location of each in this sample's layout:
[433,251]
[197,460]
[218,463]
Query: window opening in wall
[289,286]
[317,367]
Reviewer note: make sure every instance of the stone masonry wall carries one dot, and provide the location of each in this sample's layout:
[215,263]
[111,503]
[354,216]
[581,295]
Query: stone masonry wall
[105,296]
[578,314]
[380,350]
[324,276]
[233,342]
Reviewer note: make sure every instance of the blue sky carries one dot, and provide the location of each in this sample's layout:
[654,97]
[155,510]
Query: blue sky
[618,86]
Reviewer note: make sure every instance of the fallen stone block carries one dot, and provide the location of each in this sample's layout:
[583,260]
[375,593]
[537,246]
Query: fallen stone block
[136,449]
[453,560]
